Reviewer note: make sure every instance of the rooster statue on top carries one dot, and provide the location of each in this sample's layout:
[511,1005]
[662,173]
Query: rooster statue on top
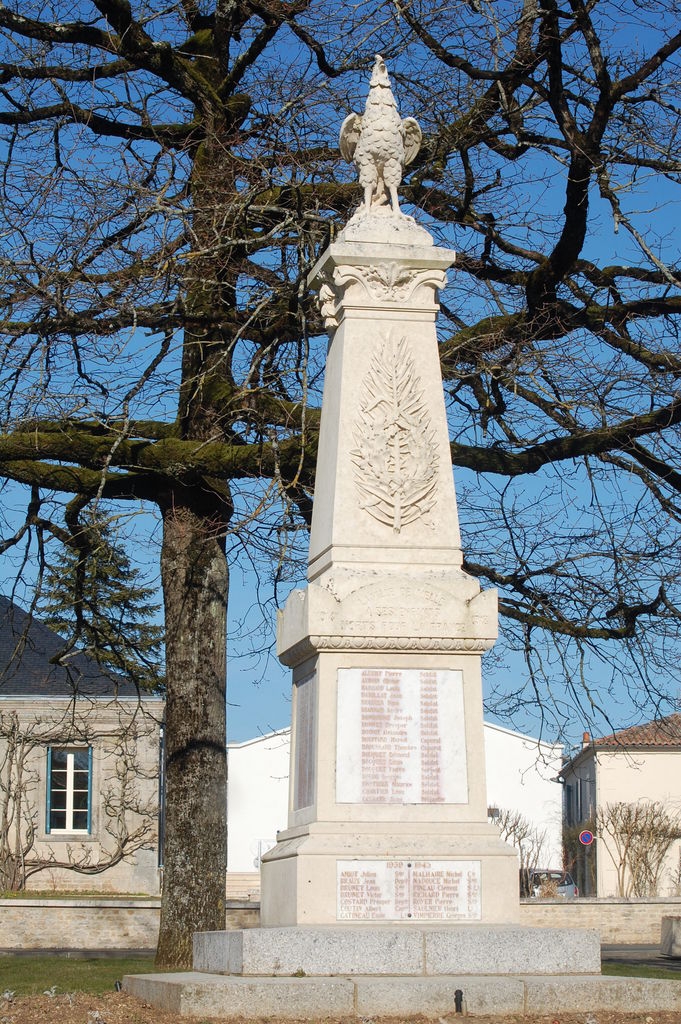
[380,142]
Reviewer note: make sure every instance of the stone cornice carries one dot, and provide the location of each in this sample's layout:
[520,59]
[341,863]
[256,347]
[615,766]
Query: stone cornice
[315,643]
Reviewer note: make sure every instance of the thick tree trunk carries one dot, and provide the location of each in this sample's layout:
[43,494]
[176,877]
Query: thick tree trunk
[195,582]
[195,586]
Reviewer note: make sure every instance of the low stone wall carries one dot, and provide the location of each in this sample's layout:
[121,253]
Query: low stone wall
[117,924]
[94,924]
[618,920]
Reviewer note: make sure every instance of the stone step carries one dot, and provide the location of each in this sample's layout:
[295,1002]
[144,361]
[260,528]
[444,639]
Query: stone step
[195,994]
[416,950]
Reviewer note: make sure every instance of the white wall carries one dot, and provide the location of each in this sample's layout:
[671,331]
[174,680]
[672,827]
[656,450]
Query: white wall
[257,797]
[519,770]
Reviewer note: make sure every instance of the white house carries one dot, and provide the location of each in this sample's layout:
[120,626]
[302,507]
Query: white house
[521,772]
[523,775]
[257,805]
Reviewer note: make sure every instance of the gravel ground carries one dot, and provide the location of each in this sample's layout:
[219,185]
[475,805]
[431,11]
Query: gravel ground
[121,1008]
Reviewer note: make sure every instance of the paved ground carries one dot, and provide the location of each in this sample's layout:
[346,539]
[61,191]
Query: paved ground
[642,954]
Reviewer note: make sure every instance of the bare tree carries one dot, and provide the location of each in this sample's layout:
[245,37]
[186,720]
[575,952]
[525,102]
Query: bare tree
[637,836]
[170,174]
[17,827]
[526,838]
[128,794]
[676,876]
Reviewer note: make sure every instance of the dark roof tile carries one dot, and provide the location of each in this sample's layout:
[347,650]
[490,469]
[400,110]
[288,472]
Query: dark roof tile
[27,650]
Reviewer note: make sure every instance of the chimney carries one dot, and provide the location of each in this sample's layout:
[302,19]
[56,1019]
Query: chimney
[586,740]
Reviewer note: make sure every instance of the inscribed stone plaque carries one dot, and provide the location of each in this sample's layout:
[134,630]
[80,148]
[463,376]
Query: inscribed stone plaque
[401,890]
[304,696]
[401,737]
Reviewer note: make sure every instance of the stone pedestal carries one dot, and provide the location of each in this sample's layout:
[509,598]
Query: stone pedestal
[387,808]
[427,951]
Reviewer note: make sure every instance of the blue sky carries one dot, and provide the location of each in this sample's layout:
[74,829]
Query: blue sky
[258,687]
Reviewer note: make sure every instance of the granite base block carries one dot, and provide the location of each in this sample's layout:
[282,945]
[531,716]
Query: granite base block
[630,995]
[512,950]
[193,994]
[301,951]
[431,997]
[413,951]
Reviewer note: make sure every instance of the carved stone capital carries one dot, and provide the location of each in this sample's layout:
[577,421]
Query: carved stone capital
[371,275]
[377,284]
[391,281]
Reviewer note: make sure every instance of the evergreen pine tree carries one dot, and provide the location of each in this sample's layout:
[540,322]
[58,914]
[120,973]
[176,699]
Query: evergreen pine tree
[93,597]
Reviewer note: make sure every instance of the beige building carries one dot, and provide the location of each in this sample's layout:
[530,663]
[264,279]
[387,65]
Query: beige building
[79,769]
[623,787]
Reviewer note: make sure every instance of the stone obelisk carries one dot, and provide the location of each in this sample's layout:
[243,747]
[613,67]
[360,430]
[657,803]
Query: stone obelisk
[387,807]
[389,893]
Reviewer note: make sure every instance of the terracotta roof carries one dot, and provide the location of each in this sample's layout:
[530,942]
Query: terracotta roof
[663,732]
[28,669]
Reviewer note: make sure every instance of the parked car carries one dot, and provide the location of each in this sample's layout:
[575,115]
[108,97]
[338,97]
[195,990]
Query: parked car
[547,882]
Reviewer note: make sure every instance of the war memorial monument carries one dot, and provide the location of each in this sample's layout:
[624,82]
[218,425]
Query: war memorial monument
[389,892]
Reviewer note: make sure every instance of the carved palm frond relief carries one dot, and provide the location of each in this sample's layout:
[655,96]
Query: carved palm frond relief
[396,455]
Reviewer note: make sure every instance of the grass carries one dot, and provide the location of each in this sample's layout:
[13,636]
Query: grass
[32,975]
[615,970]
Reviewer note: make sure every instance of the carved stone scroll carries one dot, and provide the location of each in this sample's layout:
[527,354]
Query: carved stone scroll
[328,305]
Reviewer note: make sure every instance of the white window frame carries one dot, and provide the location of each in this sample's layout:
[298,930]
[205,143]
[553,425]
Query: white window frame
[70,770]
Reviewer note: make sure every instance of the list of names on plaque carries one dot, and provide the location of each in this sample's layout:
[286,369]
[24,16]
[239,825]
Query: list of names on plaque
[431,740]
[362,894]
[401,737]
[401,890]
